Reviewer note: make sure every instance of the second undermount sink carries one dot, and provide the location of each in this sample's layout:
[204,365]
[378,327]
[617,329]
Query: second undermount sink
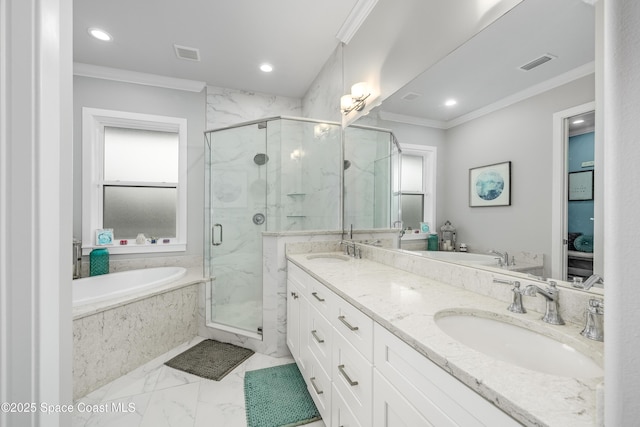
[328,257]
[517,345]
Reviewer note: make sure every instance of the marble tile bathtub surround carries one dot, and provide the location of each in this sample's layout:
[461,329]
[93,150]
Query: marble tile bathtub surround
[111,343]
[406,304]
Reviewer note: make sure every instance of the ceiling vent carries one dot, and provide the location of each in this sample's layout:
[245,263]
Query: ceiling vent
[411,96]
[188,53]
[537,62]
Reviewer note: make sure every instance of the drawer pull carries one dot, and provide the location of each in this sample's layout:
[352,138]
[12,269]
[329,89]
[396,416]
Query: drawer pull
[347,324]
[315,387]
[315,294]
[315,335]
[294,295]
[346,377]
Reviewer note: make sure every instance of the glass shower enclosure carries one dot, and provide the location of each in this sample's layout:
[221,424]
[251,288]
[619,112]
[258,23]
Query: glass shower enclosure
[277,174]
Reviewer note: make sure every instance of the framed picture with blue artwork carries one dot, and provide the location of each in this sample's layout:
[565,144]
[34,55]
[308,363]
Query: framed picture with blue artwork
[490,185]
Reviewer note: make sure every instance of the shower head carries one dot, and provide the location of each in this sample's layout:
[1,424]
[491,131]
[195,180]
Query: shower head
[347,164]
[260,159]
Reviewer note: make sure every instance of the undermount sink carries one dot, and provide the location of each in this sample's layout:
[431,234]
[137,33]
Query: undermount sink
[517,345]
[329,257]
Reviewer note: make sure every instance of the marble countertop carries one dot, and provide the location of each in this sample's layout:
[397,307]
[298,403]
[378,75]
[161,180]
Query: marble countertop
[406,304]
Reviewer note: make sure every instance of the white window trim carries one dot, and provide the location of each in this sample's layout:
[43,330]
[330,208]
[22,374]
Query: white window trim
[429,155]
[93,122]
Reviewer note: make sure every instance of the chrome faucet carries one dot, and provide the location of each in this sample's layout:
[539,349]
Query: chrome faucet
[516,304]
[588,284]
[594,325]
[351,249]
[552,314]
[504,257]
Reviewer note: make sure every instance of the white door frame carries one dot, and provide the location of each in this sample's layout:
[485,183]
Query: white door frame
[559,188]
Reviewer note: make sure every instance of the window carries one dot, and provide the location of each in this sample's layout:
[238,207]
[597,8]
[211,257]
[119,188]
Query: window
[418,186]
[134,180]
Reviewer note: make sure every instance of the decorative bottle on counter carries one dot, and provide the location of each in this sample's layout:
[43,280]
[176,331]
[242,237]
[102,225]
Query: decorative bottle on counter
[432,242]
[99,262]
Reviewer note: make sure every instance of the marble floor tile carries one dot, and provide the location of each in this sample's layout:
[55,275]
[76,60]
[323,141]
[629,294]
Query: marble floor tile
[156,395]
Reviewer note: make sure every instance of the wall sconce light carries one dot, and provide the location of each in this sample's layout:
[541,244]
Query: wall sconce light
[356,100]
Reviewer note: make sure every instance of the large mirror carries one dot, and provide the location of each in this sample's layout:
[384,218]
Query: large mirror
[493,100]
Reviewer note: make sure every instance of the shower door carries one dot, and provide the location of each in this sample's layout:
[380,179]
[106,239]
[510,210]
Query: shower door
[235,220]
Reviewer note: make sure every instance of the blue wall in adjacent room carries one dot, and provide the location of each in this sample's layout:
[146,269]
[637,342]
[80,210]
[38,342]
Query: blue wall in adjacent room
[581,149]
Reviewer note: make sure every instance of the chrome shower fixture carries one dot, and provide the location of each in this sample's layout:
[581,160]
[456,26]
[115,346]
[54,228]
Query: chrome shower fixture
[260,159]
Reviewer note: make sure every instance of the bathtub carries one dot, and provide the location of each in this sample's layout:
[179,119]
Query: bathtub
[123,320]
[95,289]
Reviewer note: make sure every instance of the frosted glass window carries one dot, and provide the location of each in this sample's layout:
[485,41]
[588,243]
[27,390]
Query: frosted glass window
[412,178]
[133,210]
[140,155]
[412,210]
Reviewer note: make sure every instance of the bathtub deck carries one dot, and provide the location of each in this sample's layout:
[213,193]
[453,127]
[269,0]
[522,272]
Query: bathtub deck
[163,396]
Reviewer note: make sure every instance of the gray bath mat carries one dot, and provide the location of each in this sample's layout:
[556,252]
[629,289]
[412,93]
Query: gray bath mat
[210,359]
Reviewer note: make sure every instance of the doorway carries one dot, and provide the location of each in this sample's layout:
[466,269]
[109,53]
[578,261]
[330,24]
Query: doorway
[575,246]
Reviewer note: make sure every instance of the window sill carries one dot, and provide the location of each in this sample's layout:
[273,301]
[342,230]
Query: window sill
[138,249]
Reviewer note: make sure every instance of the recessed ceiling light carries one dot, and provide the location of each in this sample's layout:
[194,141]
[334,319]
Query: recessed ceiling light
[450,102]
[267,68]
[577,122]
[100,34]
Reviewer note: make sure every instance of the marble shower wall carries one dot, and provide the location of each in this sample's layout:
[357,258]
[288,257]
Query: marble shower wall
[322,100]
[304,178]
[226,107]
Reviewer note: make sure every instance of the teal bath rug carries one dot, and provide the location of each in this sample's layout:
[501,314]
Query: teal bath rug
[210,359]
[278,396]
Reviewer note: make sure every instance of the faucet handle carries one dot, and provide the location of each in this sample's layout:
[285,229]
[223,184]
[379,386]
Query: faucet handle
[516,305]
[596,306]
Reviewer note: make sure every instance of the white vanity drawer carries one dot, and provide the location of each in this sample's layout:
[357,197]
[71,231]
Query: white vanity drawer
[352,377]
[341,415]
[320,297]
[439,397]
[298,276]
[355,326]
[319,336]
[319,385]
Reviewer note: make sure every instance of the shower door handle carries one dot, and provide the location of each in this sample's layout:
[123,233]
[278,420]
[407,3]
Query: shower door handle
[213,235]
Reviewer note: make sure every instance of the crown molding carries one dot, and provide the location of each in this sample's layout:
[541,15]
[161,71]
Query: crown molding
[358,14]
[545,86]
[412,120]
[126,76]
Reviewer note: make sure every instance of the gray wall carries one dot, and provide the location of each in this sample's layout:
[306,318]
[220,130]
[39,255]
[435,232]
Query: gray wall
[523,134]
[98,93]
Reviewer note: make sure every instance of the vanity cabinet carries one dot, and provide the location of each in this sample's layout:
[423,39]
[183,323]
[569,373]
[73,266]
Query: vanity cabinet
[295,299]
[410,390]
[360,374]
